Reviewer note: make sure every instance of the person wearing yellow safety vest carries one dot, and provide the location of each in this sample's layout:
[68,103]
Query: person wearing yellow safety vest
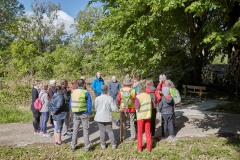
[126,97]
[143,106]
[81,105]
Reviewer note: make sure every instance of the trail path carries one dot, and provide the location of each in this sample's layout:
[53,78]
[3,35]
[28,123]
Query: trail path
[191,121]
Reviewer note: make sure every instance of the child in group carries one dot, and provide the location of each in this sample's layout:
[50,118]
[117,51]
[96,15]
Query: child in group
[153,92]
[166,108]
[143,105]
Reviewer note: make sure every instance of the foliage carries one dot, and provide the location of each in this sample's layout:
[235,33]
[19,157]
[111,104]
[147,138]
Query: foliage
[198,148]
[144,34]
[10,10]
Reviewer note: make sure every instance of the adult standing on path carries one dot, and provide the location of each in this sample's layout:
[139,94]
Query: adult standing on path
[161,84]
[104,105]
[36,113]
[113,88]
[136,83]
[97,83]
[51,91]
[66,95]
[59,110]
[156,98]
[44,110]
[126,99]
[81,105]
[85,79]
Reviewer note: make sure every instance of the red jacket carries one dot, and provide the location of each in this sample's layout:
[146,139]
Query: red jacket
[151,89]
[161,85]
[119,99]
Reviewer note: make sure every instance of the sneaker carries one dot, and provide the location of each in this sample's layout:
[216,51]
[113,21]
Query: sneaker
[114,146]
[41,132]
[46,135]
[86,149]
[67,135]
[58,144]
[73,149]
[36,132]
[103,146]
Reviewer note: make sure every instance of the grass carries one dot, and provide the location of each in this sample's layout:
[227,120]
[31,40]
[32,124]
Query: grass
[12,114]
[197,148]
[228,108]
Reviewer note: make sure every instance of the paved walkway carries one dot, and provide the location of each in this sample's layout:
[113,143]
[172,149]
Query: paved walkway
[191,121]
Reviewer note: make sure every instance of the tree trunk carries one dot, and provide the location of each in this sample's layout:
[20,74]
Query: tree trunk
[197,71]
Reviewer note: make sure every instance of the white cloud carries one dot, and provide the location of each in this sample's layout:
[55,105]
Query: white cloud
[63,17]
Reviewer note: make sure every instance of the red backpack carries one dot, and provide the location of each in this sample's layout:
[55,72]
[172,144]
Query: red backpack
[38,104]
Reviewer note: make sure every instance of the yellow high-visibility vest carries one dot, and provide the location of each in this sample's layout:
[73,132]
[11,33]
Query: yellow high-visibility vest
[79,103]
[145,109]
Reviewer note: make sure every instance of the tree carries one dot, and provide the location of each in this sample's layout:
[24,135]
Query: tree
[46,32]
[145,34]
[10,10]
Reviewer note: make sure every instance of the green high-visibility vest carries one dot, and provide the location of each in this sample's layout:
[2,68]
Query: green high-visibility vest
[145,110]
[79,103]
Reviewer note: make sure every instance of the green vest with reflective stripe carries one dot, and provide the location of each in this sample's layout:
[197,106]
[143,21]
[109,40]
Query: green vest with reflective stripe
[79,103]
[145,110]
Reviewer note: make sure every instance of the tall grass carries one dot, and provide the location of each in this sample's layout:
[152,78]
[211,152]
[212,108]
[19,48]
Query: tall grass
[12,114]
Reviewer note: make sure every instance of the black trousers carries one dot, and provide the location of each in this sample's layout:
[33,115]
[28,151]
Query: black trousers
[153,121]
[36,120]
[168,123]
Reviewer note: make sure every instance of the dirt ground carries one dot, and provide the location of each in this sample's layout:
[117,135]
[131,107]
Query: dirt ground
[191,121]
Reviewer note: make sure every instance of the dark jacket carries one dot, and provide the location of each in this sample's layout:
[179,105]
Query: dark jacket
[35,94]
[166,105]
[66,95]
[113,88]
[58,106]
[51,91]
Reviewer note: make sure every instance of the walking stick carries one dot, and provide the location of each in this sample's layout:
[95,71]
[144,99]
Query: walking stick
[121,127]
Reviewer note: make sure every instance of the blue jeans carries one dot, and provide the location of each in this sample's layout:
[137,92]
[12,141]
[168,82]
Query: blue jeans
[43,124]
[58,125]
[115,99]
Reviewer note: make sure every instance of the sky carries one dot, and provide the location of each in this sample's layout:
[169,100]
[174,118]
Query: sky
[69,10]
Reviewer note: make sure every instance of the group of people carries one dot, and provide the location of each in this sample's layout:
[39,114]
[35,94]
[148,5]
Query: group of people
[135,100]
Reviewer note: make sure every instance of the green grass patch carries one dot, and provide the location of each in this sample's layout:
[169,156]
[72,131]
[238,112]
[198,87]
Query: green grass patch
[12,114]
[198,148]
[228,108]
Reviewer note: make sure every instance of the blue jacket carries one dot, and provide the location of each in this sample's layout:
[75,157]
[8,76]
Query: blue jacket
[97,84]
[89,104]
[113,88]
[58,106]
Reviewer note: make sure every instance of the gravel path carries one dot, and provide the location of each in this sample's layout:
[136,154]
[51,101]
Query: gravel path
[191,121]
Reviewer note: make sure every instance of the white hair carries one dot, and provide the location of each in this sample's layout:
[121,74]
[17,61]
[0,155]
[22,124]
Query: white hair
[114,77]
[162,76]
[169,83]
[52,81]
